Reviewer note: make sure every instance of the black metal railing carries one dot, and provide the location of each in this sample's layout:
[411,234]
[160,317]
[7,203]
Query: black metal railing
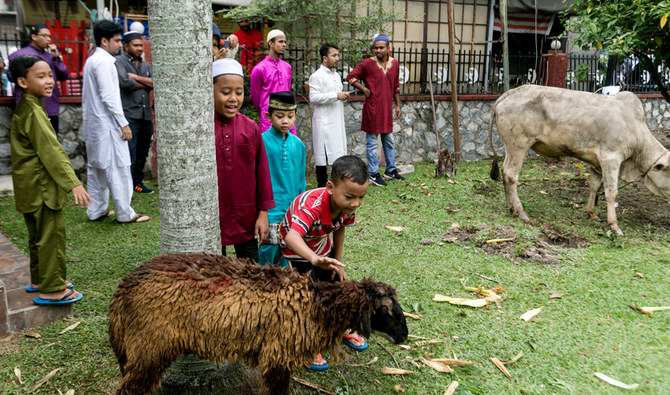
[477,72]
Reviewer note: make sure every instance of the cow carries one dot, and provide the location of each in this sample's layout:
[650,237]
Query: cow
[607,132]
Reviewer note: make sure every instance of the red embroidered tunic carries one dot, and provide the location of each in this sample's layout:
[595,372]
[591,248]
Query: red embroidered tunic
[383,82]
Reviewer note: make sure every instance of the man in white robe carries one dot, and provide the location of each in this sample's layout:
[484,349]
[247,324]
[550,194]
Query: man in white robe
[106,130]
[329,138]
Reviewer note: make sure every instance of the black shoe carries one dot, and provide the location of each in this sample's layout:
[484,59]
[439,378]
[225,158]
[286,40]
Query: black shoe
[140,188]
[376,179]
[394,175]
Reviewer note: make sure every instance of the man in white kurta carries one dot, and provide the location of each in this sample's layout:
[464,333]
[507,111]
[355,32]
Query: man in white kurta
[329,139]
[106,130]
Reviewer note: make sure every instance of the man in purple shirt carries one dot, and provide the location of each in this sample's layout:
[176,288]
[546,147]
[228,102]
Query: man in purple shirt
[270,75]
[40,45]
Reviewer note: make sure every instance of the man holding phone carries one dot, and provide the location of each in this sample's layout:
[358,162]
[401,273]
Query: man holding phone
[41,45]
[226,50]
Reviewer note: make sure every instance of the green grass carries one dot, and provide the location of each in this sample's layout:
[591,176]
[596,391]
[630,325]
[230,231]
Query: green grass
[591,328]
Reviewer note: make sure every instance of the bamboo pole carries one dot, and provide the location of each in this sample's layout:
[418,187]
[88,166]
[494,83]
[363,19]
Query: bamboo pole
[454,88]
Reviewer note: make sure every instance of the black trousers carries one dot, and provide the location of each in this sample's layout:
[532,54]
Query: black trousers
[247,249]
[54,122]
[139,147]
[321,176]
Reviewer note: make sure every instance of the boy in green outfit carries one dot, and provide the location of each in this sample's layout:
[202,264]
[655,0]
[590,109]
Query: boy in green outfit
[42,175]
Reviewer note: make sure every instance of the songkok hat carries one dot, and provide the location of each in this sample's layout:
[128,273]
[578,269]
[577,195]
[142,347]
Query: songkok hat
[130,36]
[275,33]
[381,37]
[216,31]
[227,66]
[34,29]
[283,101]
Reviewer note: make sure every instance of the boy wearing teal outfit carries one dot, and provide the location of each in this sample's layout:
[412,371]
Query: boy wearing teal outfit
[286,159]
[42,176]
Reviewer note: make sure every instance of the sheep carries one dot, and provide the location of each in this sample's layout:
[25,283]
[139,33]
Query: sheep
[225,309]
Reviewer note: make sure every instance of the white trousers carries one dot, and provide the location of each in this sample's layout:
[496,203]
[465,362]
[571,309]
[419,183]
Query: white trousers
[116,180]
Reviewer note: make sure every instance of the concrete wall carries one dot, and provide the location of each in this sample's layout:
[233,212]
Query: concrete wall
[413,132]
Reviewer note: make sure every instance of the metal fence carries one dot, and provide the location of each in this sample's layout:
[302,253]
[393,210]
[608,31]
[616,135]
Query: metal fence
[477,72]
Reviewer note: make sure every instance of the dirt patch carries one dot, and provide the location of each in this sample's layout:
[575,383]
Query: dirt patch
[538,252]
[485,190]
[460,235]
[552,236]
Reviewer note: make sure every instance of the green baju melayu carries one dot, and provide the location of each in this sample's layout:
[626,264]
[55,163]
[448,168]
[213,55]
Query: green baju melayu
[43,176]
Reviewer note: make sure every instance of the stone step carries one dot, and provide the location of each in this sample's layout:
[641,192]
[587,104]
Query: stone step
[17,310]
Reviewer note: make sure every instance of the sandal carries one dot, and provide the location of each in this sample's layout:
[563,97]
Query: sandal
[104,215]
[31,289]
[319,368]
[346,339]
[136,218]
[63,300]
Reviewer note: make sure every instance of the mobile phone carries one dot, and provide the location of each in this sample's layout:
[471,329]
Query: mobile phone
[226,44]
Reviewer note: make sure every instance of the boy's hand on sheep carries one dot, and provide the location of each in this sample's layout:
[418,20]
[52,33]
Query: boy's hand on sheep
[332,264]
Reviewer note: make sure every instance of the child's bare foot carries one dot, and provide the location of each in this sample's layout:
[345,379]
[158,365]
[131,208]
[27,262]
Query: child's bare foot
[66,294]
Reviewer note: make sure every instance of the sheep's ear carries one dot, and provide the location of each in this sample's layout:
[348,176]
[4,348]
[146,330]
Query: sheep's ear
[366,325]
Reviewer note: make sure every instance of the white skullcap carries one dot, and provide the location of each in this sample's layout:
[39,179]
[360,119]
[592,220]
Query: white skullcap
[227,66]
[275,33]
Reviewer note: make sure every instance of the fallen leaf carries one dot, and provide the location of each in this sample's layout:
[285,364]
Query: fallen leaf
[44,379]
[638,274]
[455,226]
[452,388]
[394,228]
[581,166]
[556,295]
[426,241]
[450,239]
[398,388]
[71,327]
[502,367]
[640,309]
[373,360]
[440,367]
[650,310]
[424,342]
[518,357]
[530,314]
[498,289]
[544,193]
[450,181]
[34,335]
[388,370]
[452,362]
[17,373]
[614,382]
[396,201]
[410,315]
[69,392]
[460,301]
[404,346]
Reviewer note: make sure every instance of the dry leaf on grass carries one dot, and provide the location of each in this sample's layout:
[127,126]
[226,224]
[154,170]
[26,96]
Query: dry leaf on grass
[487,294]
[498,289]
[44,379]
[404,346]
[510,361]
[460,301]
[440,367]
[502,367]
[556,295]
[452,388]
[530,314]
[424,342]
[17,373]
[638,274]
[452,362]
[544,192]
[373,360]
[410,315]
[34,335]
[71,327]
[388,370]
[398,389]
[395,228]
[614,382]
[69,392]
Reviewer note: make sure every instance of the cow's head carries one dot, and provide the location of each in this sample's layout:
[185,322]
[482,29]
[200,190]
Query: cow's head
[658,178]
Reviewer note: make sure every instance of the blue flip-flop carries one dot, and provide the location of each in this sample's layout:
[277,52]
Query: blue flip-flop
[31,289]
[346,341]
[63,300]
[319,368]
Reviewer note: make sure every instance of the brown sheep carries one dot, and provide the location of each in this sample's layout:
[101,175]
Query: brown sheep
[223,309]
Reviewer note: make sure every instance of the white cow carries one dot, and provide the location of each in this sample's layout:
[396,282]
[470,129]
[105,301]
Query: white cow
[607,132]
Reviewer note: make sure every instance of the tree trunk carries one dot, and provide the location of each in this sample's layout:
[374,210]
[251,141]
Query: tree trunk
[181,32]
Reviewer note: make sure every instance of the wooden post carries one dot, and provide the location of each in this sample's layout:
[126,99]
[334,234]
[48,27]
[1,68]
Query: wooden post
[505,54]
[454,87]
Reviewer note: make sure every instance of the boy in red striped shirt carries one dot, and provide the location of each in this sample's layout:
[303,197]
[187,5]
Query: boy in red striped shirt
[313,216]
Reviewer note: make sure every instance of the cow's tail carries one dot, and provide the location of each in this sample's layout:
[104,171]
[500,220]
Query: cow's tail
[495,169]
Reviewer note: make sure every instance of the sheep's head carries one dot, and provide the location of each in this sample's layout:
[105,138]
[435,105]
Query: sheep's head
[386,319]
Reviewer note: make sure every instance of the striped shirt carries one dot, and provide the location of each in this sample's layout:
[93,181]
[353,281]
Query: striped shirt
[309,215]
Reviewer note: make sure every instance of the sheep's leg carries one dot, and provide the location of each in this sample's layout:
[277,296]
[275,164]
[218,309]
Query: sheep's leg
[144,374]
[277,379]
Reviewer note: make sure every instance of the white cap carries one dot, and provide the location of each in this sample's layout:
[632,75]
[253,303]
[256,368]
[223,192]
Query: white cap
[227,66]
[275,33]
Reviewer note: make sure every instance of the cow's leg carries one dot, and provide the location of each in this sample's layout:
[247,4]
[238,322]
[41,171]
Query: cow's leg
[610,176]
[278,379]
[511,170]
[595,181]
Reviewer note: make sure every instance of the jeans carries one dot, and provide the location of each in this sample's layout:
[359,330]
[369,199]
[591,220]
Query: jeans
[389,152]
[139,147]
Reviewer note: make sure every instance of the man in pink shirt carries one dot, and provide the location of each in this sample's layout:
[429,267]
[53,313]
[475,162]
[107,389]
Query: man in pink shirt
[270,75]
